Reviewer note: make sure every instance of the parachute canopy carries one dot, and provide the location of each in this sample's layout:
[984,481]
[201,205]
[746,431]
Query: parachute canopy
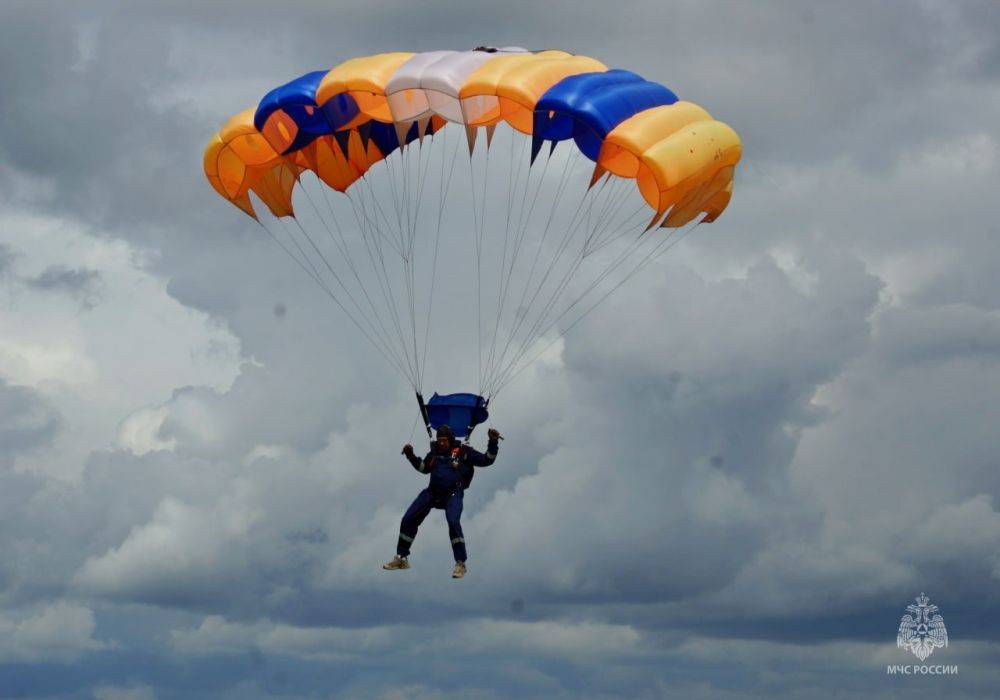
[628,126]
[371,135]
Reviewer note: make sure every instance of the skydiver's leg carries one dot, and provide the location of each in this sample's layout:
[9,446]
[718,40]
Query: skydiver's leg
[453,513]
[414,515]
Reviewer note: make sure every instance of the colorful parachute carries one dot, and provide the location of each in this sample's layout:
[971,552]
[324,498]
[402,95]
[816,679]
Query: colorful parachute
[641,160]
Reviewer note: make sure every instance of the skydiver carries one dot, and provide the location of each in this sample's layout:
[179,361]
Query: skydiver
[451,466]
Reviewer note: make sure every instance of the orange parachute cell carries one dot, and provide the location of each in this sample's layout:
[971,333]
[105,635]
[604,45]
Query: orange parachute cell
[239,160]
[339,169]
[508,87]
[363,79]
[681,158]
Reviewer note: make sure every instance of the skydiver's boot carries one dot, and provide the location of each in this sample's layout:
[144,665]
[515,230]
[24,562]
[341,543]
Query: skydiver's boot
[397,562]
[459,571]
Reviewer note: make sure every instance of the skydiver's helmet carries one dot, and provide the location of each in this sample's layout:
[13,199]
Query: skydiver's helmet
[446,431]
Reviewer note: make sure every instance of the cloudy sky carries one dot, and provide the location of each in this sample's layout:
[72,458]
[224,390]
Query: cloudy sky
[728,481]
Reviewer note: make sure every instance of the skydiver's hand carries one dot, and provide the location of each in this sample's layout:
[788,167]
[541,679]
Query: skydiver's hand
[408,450]
[493,435]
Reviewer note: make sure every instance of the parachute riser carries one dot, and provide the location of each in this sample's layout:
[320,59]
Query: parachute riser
[424,415]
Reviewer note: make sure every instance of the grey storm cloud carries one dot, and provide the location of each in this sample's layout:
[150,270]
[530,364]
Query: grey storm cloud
[780,433]
[27,421]
[59,278]
[6,259]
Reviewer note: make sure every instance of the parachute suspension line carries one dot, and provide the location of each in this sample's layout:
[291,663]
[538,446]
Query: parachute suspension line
[403,207]
[512,185]
[522,222]
[524,217]
[316,272]
[665,241]
[401,232]
[377,312]
[406,260]
[396,198]
[612,204]
[290,254]
[360,212]
[480,233]
[541,326]
[563,245]
[661,247]
[639,215]
[397,183]
[560,189]
[298,246]
[403,192]
[345,251]
[398,179]
[521,228]
[333,272]
[397,229]
[445,187]
[292,237]
[377,260]
[608,212]
[607,229]
[423,178]
[413,430]
[538,328]
[389,360]
[493,359]
[377,210]
[407,193]
[345,255]
[410,262]
[505,275]
[475,228]
[614,197]
[477,217]
[341,249]
[561,249]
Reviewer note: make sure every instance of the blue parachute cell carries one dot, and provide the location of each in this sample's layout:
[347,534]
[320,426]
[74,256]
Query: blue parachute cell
[585,107]
[297,98]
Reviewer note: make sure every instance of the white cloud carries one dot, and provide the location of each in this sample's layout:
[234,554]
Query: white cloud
[62,632]
[576,640]
[180,550]
[128,348]
[139,431]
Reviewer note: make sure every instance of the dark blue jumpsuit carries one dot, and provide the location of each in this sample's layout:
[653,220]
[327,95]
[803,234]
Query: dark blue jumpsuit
[451,474]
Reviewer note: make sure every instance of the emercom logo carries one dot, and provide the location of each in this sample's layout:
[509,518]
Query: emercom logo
[921,631]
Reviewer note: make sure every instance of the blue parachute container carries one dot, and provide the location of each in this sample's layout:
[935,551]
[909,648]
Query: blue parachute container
[461,412]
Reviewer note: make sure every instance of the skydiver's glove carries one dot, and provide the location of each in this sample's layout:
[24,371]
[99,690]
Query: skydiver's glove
[408,450]
[493,445]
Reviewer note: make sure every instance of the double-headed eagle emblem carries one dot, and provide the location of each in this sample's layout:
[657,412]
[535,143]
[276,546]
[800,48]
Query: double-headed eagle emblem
[922,629]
